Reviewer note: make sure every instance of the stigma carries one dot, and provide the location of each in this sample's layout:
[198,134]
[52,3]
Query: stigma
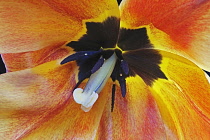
[101,72]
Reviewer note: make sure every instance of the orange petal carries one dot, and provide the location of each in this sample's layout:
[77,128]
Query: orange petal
[155,113]
[32,25]
[177,26]
[28,96]
[134,117]
[183,99]
[71,122]
[37,104]
[25,60]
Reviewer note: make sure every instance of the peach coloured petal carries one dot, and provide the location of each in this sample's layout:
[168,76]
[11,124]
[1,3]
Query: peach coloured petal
[25,60]
[134,117]
[177,26]
[67,121]
[29,96]
[71,122]
[32,25]
[176,108]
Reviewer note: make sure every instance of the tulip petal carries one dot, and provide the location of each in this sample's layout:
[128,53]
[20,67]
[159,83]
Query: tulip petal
[38,104]
[32,25]
[25,60]
[181,26]
[173,108]
[145,63]
[136,116]
[183,99]
[28,96]
[71,122]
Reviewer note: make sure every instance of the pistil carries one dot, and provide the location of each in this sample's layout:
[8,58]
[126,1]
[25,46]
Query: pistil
[95,84]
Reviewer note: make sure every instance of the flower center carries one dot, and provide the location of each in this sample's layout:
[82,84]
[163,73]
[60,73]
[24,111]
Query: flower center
[98,58]
[98,66]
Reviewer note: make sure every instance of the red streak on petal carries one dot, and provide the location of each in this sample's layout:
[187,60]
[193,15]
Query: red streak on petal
[153,122]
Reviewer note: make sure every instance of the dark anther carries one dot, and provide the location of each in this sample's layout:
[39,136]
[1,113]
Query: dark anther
[122,82]
[98,64]
[124,66]
[80,56]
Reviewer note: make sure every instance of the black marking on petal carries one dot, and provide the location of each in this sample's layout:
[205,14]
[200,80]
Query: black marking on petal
[98,64]
[98,45]
[118,53]
[145,63]
[113,97]
[107,54]
[83,45]
[133,39]
[99,34]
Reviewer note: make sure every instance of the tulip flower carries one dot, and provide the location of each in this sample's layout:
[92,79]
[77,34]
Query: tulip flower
[95,70]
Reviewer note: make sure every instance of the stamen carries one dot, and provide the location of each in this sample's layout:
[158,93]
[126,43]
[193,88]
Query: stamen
[124,66]
[80,56]
[113,96]
[95,84]
[98,64]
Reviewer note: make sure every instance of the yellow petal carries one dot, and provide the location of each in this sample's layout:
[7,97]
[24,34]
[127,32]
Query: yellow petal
[183,99]
[32,25]
[177,26]
[134,117]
